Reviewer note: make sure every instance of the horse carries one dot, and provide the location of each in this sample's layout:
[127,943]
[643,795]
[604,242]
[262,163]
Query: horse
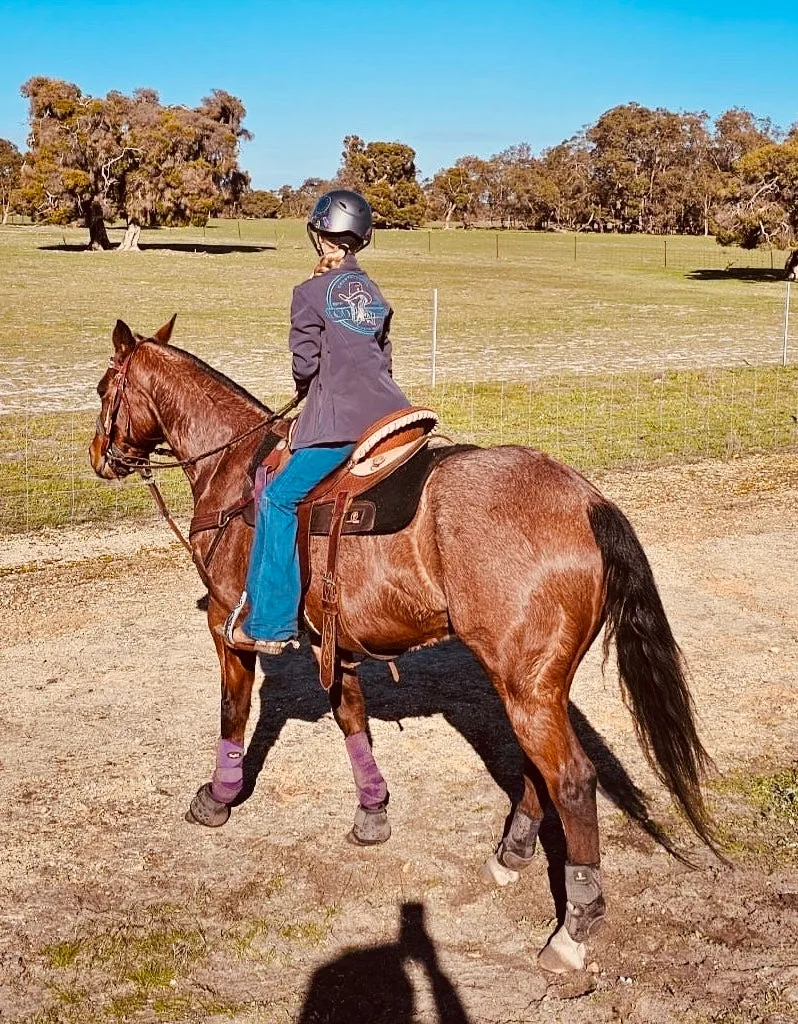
[791,266]
[514,553]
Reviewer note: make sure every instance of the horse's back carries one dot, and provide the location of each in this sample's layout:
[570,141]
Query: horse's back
[512,487]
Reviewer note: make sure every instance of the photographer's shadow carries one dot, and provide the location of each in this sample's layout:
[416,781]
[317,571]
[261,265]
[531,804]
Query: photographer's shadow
[373,984]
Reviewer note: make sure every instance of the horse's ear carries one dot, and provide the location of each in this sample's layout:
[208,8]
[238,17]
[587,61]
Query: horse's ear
[123,339]
[165,333]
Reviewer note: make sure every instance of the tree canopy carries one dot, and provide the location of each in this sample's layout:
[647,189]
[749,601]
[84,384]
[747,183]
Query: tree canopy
[635,169]
[762,206]
[639,169]
[92,158]
[385,173]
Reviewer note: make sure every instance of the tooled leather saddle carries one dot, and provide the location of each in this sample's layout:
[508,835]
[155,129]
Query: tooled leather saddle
[376,491]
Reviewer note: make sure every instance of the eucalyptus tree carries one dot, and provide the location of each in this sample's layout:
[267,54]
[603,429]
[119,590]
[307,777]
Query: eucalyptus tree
[10,168]
[385,173]
[762,207]
[92,158]
[459,190]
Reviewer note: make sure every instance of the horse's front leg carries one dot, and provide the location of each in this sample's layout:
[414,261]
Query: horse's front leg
[371,825]
[211,805]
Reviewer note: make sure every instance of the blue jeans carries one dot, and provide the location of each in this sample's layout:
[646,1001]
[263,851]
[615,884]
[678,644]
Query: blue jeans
[274,587]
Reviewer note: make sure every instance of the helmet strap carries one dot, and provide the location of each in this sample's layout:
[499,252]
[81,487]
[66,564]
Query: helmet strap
[315,240]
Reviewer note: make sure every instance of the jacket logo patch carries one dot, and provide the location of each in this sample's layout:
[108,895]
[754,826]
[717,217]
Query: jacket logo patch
[352,303]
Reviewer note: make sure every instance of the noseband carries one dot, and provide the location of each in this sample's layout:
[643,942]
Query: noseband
[109,452]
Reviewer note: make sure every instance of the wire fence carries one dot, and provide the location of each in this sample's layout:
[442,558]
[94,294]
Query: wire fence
[606,351]
[614,420]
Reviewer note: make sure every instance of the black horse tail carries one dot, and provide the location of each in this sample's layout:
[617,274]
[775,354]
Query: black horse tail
[651,667]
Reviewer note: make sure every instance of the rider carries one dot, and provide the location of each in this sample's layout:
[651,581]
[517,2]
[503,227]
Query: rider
[342,363]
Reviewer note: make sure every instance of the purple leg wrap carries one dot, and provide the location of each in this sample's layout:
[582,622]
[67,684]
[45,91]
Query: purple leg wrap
[229,775]
[371,788]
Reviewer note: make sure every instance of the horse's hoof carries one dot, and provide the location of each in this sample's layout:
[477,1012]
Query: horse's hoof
[371,826]
[206,810]
[562,954]
[493,872]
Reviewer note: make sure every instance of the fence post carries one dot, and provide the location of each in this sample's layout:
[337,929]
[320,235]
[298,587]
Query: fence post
[786,324]
[497,245]
[666,253]
[574,248]
[434,332]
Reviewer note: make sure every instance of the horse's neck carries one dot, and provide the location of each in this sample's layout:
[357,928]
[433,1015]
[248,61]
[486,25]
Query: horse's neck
[198,413]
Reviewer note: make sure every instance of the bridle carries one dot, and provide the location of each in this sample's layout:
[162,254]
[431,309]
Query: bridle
[112,455]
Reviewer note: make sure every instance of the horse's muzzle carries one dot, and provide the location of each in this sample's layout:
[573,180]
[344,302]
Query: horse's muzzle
[98,457]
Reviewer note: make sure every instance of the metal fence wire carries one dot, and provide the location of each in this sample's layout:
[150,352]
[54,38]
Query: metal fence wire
[612,420]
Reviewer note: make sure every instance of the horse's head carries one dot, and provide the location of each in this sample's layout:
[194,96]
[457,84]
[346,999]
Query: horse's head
[127,428]
[791,266]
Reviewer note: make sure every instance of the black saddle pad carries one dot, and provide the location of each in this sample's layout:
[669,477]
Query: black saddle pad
[390,505]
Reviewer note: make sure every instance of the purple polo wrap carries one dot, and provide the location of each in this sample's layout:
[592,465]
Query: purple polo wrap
[371,788]
[229,775]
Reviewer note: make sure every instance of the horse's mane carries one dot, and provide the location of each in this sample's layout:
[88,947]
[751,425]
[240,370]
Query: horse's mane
[218,376]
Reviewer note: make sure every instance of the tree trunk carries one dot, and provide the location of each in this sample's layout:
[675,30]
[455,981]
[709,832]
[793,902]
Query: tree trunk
[6,208]
[130,243]
[98,237]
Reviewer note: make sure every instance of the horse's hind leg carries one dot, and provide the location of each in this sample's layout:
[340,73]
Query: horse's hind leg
[517,847]
[371,825]
[547,737]
[534,686]
[211,805]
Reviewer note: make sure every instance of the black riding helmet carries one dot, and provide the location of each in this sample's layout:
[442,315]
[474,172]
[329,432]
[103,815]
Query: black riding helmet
[342,216]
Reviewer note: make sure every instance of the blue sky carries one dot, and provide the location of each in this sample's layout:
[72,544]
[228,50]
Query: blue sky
[449,77]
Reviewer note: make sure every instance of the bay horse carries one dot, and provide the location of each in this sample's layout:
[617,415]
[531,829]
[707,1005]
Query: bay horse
[514,553]
[791,266]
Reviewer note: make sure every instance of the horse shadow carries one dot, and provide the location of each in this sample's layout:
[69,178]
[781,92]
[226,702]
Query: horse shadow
[751,275]
[200,248]
[446,680]
[372,984]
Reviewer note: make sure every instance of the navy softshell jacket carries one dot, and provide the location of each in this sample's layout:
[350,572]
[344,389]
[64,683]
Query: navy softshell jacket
[341,356]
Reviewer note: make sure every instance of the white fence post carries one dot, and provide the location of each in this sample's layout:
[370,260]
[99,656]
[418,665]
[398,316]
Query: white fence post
[434,332]
[786,324]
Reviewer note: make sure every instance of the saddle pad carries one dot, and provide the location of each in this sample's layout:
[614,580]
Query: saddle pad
[390,505]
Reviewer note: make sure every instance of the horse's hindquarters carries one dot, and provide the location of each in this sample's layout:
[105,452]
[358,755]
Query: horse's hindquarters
[518,560]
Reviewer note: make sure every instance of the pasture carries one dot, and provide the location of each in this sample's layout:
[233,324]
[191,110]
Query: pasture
[606,351]
[664,383]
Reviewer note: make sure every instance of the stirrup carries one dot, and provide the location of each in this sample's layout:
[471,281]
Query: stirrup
[226,631]
[242,642]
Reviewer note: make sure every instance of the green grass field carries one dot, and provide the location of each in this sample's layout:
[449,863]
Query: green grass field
[589,347]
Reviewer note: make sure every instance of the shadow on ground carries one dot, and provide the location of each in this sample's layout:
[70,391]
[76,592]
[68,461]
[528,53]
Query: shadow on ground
[205,249]
[446,681]
[753,275]
[373,984]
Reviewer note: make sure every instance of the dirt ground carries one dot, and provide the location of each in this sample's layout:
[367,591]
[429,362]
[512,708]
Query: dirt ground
[112,907]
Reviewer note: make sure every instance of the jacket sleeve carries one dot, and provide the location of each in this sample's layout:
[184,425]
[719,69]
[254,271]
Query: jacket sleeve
[385,341]
[304,340]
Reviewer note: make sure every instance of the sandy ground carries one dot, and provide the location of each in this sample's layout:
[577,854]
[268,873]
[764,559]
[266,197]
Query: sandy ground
[112,907]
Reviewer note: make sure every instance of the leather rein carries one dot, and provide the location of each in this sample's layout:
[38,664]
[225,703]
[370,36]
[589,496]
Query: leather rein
[142,465]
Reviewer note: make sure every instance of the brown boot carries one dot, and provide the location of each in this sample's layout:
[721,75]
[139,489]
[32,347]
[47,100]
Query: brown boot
[241,641]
